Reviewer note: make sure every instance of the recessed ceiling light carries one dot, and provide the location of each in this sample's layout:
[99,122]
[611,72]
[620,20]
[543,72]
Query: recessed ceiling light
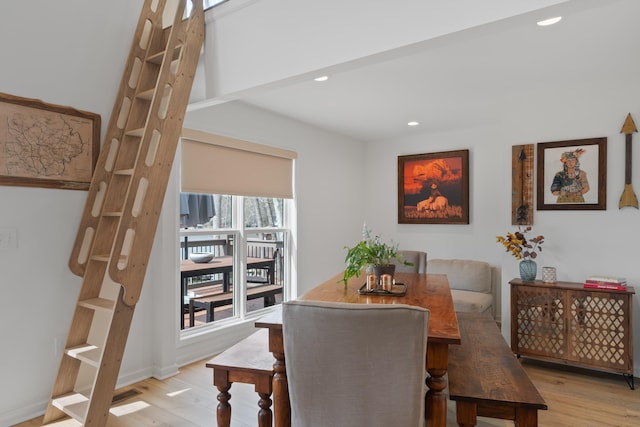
[413,123]
[549,21]
[321,78]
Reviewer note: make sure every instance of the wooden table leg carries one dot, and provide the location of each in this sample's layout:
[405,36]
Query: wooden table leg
[265,415]
[526,417]
[223,412]
[466,414]
[436,399]
[281,405]
[264,388]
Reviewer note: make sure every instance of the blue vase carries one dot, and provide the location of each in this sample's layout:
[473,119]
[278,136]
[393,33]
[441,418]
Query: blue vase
[528,270]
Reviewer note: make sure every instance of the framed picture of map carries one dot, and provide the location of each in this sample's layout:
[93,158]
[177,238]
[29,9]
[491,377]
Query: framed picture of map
[46,145]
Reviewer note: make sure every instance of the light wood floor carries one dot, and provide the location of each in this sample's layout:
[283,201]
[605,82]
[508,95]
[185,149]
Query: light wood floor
[574,397]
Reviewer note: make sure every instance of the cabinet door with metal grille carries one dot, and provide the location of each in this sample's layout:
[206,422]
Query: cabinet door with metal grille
[600,329]
[564,322]
[538,322]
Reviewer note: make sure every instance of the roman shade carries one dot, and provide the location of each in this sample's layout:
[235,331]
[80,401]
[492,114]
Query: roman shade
[215,164]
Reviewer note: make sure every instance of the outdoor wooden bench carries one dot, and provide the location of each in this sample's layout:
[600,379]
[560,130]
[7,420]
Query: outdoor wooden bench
[248,362]
[210,302]
[485,377]
[206,290]
[254,278]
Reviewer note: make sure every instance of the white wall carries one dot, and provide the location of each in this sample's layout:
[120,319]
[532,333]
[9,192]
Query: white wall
[270,41]
[578,243]
[56,52]
[328,175]
[72,52]
[328,181]
[330,205]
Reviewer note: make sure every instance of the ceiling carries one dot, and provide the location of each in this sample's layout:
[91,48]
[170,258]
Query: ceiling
[466,78]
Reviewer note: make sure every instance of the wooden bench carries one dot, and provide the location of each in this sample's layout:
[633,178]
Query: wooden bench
[248,362]
[485,377]
[198,291]
[205,289]
[210,302]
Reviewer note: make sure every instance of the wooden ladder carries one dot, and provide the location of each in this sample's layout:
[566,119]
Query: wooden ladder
[123,205]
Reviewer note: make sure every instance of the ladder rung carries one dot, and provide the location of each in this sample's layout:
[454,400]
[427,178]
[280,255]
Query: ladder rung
[124,172]
[157,58]
[98,303]
[135,132]
[87,353]
[115,243]
[74,404]
[147,94]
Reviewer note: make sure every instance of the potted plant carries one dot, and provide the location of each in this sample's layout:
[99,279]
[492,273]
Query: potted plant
[371,252]
[524,250]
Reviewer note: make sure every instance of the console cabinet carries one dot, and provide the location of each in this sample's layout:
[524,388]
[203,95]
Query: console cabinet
[565,322]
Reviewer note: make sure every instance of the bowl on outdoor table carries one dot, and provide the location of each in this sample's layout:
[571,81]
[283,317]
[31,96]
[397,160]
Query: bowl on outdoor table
[201,257]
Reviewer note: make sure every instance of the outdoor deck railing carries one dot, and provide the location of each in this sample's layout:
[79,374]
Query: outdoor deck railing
[271,249]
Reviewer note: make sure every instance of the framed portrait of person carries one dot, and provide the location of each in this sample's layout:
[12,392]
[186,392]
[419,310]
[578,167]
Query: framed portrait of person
[572,175]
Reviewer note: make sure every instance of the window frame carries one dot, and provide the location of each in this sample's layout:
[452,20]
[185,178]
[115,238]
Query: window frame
[239,272]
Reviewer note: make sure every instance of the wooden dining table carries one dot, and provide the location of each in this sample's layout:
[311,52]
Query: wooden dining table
[430,291]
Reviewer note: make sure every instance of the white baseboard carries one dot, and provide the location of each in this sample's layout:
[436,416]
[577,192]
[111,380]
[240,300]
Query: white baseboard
[20,415]
[38,409]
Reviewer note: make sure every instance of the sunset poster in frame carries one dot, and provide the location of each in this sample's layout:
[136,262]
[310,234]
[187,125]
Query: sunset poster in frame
[572,175]
[433,188]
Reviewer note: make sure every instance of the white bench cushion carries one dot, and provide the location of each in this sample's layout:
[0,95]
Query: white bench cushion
[471,301]
[464,274]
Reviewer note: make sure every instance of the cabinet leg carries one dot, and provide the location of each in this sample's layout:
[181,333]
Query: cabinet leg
[630,381]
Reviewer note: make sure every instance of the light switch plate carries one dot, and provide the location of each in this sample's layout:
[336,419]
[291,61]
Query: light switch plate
[8,238]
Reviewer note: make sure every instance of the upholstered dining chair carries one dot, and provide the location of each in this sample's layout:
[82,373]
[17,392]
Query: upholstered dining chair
[355,364]
[418,258]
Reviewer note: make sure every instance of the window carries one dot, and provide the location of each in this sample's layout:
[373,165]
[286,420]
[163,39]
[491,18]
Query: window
[246,235]
[207,4]
[208,291]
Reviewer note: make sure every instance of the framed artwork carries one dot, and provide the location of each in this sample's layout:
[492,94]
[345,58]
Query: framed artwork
[572,175]
[433,188]
[522,184]
[45,145]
